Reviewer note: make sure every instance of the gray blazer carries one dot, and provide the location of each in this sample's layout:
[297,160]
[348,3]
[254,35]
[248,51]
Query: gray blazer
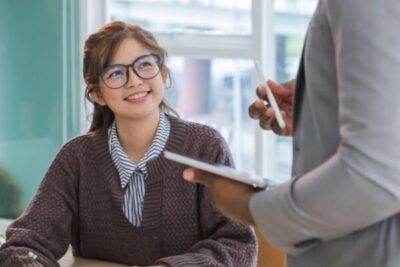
[342,207]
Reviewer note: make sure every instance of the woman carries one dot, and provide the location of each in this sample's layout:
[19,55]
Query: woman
[110,193]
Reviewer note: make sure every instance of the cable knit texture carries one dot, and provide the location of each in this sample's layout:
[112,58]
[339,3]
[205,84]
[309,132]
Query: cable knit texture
[79,202]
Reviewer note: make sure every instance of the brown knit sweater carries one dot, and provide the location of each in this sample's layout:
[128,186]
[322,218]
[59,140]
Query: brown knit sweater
[79,202]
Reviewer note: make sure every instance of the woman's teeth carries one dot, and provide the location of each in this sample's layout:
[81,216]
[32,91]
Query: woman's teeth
[137,96]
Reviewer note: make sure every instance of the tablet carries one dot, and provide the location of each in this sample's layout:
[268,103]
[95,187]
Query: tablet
[222,170]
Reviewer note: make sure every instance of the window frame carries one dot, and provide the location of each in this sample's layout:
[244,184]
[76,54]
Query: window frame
[259,44]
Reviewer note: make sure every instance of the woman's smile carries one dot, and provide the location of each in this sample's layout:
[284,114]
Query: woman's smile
[137,97]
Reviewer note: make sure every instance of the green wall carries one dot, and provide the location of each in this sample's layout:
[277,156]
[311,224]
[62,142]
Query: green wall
[39,86]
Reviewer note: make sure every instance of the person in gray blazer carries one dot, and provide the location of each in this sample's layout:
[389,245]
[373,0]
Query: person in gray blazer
[341,208]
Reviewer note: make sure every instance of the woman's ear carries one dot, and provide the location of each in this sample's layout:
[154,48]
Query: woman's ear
[97,98]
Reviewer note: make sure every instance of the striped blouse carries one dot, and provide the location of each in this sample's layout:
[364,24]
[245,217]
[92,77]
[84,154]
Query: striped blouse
[132,177]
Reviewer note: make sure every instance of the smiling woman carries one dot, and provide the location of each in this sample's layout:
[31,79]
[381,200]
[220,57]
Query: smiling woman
[110,193]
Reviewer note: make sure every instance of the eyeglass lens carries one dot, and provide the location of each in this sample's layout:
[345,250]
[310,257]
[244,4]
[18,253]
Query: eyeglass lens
[145,67]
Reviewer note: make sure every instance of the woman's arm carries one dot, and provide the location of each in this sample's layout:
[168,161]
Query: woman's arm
[41,235]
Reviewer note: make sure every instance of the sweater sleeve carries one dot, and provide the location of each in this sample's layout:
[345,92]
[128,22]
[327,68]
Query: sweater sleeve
[41,235]
[226,242]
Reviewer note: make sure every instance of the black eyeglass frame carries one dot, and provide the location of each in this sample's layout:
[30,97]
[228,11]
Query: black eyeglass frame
[132,66]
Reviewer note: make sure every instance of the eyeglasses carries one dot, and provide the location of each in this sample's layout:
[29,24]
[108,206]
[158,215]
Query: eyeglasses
[145,67]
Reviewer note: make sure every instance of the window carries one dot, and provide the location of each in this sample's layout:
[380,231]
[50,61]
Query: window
[212,44]
[222,17]
[216,92]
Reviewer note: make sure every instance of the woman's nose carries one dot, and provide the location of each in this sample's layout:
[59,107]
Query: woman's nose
[134,80]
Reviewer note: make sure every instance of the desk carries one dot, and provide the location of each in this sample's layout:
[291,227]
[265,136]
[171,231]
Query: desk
[269,256]
[70,261]
[81,262]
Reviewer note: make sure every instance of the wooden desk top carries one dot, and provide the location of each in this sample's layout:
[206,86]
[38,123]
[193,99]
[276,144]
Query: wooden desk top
[70,261]
[81,262]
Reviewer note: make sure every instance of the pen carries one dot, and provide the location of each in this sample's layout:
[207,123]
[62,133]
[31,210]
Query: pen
[270,96]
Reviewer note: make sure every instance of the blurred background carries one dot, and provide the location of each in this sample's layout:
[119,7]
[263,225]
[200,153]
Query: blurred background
[211,45]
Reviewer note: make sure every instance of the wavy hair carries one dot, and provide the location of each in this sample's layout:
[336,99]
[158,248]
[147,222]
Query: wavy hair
[98,51]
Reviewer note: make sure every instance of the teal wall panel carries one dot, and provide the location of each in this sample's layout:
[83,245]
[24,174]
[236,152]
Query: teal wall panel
[39,86]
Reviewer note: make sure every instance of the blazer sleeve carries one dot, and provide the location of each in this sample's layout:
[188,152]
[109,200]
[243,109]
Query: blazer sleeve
[360,184]
[226,242]
[41,235]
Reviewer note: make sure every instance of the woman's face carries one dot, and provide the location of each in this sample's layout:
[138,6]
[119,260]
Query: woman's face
[138,98]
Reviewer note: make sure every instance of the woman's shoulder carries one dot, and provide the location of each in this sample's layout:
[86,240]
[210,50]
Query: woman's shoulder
[78,140]
[194,128]
[203,141]
[82,142]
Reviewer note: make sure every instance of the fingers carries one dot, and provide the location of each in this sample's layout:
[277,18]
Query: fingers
[211,181]
[189,175]
[257,109]
[262,112]
[287,131]
[280,90]
[267,119]
[261,91]
[259,106]
[197,176]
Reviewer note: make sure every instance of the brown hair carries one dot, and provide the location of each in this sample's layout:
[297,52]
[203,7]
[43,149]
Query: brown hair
[98,50]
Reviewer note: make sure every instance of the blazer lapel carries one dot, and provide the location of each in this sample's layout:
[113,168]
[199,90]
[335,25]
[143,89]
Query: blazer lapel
[299,92]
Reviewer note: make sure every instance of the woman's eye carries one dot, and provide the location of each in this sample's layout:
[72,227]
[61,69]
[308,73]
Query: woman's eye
[115,74]
[145,64]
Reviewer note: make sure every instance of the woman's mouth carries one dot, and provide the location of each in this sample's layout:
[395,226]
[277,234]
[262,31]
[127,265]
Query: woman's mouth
[137,97]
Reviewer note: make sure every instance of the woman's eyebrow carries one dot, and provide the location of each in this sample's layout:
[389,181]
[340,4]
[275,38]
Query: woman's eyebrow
[146,54]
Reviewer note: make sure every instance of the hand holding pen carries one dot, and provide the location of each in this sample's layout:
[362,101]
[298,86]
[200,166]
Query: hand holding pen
[274,107]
